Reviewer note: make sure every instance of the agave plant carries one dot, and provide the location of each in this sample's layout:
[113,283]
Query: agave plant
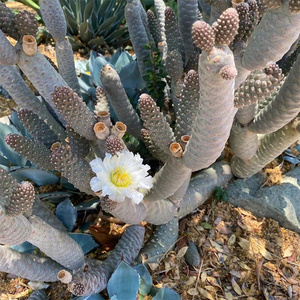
[92,24]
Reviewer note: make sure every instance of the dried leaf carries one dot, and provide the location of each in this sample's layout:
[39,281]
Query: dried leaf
[182,252]
[244,266]
[266,294]
[245,244]
[203,276]
[206,294]
[235,273]
[232,239]
[244,212]
[291,280]
[236,287]
[153,266]
[228,296]
[191,280]
[193,292]
[288,251]
[213,281]
[265,253]
[243,226]
[217,246]
[102,235]
[210,288]
[222,228]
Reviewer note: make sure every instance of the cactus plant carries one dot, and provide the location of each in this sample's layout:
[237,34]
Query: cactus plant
[215,72]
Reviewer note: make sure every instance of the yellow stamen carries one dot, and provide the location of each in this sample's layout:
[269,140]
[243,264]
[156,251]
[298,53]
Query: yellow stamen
[120,178]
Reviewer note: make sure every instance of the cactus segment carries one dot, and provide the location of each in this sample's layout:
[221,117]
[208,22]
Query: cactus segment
[74,111]
[243,142]
[270,3]
[76,170]
[173,37]
[294,6]
[34,151]
[153,149]
[95,279]
[188,105]
[102,101]
[159,130]
[176,198]
[7,24]
[7,184]
[192,256]
[160,7]
[21,200]
[249,17]
[203,35]
[163,239]
[283,108]
[29,266]
[127,211]
[272,38]
[37,128]
[169,178]
[26,23]
[38,70]
[14,230]
[8,54]
[271,145]
[66,66]
[160,212]
[56,244]
[258,85]
[114,144]
[246,114]
[54,18]
[117,97]
[174,65]
[138,35]
[187,16]
[226,27]
[80,146]
[153,26]
[13,82]
[216,110]
[203,185]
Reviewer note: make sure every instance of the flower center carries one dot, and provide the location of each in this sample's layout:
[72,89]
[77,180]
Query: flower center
[120,178]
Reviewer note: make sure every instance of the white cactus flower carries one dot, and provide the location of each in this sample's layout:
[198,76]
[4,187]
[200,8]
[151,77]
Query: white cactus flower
[120,176]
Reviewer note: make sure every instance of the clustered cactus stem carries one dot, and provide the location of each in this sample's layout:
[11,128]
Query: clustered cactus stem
[28,265]
[94,279]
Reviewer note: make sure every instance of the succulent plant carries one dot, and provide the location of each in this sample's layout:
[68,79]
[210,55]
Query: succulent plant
[212,90]
[91,24]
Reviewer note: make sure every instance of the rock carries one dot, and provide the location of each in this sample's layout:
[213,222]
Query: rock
[279,202]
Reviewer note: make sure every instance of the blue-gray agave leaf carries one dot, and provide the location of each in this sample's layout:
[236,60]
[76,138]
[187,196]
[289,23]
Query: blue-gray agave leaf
[67,213]
[38,176]
[146,279]
[85,241]
[124,282]
[166,294]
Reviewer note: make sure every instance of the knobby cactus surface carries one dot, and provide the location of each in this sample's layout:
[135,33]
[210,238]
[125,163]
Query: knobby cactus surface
[219,70]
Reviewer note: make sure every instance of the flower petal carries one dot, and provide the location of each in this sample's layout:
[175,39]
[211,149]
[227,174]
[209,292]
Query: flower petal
[95,184]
